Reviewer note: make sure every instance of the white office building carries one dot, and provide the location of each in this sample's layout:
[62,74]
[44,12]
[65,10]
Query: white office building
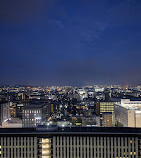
[128,113]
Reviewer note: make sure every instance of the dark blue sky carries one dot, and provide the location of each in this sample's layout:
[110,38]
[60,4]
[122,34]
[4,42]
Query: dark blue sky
[70,42]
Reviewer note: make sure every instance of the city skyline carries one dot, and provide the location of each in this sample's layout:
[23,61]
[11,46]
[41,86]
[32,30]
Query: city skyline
[72,43]
[70,81]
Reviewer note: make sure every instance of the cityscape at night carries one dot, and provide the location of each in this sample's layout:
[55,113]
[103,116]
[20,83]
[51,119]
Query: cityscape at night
[70,79]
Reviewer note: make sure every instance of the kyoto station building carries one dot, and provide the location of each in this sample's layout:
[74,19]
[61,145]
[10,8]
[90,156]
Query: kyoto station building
[70,142]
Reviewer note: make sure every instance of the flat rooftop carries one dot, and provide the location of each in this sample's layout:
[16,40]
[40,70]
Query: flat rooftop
[130,107]
[30,106]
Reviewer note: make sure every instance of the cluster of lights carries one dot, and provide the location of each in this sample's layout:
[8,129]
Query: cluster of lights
[45,148]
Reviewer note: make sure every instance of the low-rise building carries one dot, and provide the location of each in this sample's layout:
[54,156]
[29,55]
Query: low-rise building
[13,123]
[107,119]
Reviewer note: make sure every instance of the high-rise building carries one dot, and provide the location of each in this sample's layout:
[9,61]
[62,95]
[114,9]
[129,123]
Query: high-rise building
[46,112]
[105,106]
[6,114]
[34,114]
[128,113]
[74,142]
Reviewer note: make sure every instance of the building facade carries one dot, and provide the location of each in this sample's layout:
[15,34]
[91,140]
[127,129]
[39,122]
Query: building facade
[107,119]
[74,142]
[32,115]
[105,106]
[128,113]
[6,115]
[127,116]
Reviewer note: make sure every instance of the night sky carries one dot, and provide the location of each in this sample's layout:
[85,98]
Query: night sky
[70,42]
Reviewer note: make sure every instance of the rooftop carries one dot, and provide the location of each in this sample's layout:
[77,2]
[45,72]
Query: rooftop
[71,130]
[130,107]
[33,106]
